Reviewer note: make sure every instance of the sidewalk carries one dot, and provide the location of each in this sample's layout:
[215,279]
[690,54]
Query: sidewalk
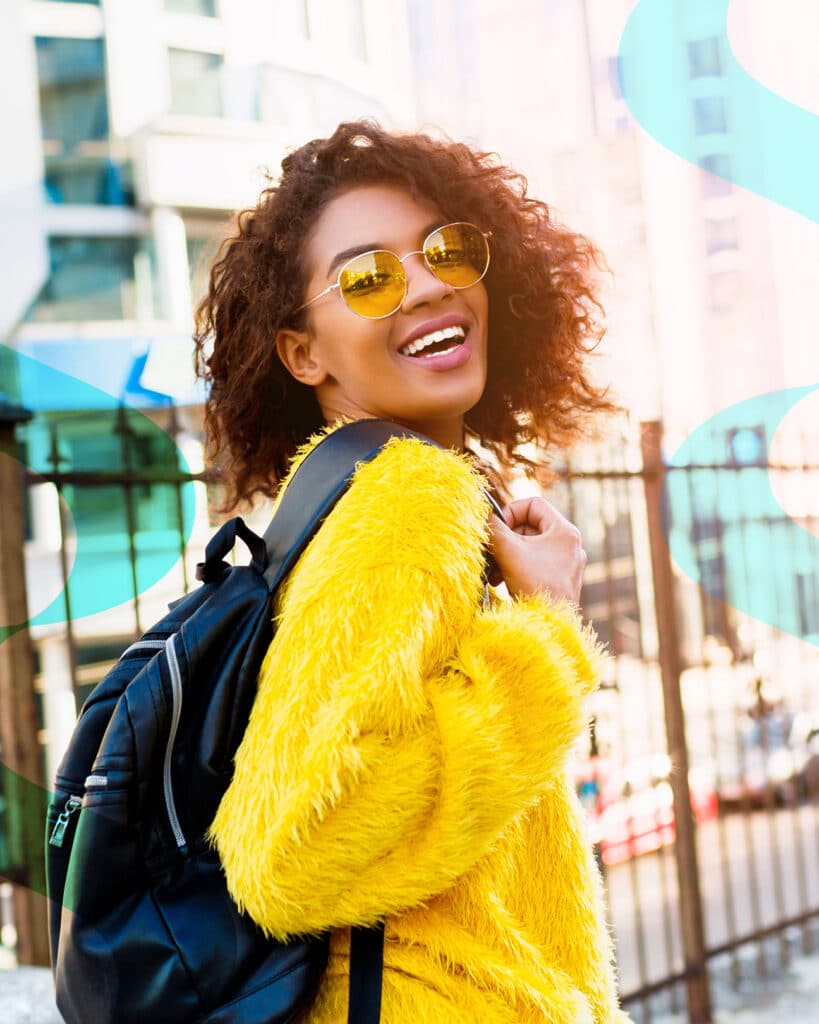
[789,997]
[27,997]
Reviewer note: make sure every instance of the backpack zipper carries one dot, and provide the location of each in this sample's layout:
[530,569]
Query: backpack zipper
[143,645]
[57,836]
[176,711]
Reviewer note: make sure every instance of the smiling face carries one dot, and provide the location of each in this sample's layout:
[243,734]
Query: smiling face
[360,368]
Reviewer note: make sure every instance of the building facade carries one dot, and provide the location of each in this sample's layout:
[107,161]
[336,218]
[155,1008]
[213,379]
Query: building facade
[136,131]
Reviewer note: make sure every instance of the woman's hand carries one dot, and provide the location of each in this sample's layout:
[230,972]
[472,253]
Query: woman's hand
[537,549]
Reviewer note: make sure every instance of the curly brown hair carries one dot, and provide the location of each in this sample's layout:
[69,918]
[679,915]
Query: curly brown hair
[541,287]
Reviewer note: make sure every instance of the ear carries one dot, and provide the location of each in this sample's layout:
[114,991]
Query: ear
[297,352]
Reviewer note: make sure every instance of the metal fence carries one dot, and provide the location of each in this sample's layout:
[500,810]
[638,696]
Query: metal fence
[700,772]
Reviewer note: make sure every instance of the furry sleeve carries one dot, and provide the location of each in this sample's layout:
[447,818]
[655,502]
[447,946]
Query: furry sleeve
[398,729]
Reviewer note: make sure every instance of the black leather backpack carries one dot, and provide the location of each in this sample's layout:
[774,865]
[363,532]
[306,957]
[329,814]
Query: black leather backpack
[142,927]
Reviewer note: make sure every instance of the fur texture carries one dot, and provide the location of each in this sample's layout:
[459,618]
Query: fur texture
[405,759]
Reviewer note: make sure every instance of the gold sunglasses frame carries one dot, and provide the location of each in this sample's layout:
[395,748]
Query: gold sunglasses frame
[415,252]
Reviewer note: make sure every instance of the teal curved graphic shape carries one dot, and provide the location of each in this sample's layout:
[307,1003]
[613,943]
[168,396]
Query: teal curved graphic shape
[742,131]
[101,575]
[725,527]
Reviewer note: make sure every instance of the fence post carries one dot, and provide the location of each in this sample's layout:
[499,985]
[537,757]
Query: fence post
[20,760]
[685,847]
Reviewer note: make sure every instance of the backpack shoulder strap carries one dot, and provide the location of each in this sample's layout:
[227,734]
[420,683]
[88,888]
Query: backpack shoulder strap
[310,496]
[316,486]
[366,966]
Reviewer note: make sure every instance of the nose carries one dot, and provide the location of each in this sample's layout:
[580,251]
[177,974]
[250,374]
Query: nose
[422,285]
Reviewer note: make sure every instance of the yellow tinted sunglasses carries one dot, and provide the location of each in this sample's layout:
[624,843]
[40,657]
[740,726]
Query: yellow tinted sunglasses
[374,283]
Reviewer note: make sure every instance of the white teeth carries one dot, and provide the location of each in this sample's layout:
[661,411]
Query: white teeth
[429,339]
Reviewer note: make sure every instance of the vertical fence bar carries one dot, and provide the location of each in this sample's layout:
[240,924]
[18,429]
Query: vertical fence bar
[173,432]
[123,428]
[70,640]
[685,848]
[727,889]
[21,761]
[633,866]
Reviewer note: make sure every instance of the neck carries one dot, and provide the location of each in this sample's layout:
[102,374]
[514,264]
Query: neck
[447,432]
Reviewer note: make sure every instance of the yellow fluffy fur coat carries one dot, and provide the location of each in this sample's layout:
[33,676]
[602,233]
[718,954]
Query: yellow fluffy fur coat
[405,759]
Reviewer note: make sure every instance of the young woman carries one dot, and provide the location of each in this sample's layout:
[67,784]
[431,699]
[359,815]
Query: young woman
[405,757]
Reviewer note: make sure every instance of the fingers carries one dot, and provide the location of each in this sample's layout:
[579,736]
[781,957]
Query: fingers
[534,515]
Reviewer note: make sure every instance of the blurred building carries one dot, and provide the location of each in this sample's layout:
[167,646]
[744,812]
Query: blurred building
[714,292]
[154,123]
[132,133]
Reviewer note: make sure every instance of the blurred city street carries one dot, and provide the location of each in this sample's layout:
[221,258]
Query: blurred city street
[134,131]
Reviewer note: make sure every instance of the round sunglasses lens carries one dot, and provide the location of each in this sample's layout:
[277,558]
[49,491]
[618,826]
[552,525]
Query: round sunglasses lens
[458,254]
[373,284]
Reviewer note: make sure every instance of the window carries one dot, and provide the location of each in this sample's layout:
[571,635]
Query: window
[79,167]
[710,115]
[195,79]
[716,179]
[704,57]
[206,8]
[721,234]
[807,597]
[96,279]
[613,69]
[202,246]
[723,291]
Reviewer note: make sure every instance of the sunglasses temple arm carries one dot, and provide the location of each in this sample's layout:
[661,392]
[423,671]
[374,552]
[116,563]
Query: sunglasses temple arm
[315,298]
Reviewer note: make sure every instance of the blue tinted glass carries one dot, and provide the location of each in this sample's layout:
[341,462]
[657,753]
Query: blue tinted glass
[613,71]
[704,57]
[79,166]
[710,115]
[97,279]
[73,106]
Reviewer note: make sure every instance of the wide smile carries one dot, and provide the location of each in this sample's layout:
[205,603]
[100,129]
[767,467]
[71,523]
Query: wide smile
[435,343]
[439,345]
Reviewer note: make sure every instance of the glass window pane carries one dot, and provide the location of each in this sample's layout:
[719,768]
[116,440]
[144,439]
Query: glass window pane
[723,291]
[73,106]
[710,115]
[613,73]
[97,279]
[196,86]
[721,234]
[704,57]
[716,179]
[79,166]
[203,238]
[204,7]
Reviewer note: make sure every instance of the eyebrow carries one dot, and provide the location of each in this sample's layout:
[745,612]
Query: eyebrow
[357,250]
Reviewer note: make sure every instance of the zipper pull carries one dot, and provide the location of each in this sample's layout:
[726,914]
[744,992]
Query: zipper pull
[57,837]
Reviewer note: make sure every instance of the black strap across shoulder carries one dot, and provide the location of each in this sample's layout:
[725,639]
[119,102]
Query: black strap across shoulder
[320,481]
[317,485]
[366,968]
